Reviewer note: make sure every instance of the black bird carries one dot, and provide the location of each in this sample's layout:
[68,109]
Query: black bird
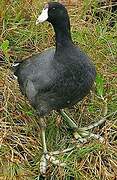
[58,77]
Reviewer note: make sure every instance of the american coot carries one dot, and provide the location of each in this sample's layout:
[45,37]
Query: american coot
[59,77]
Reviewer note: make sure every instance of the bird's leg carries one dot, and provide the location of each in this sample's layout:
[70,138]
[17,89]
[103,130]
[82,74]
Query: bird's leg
[81,133]
[43,162]
[46,155]
[69,121]
[43,127]
[71,124]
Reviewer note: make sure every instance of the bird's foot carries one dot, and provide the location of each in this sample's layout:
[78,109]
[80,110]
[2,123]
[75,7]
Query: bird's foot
[49,158]
[43,165]
[84,136]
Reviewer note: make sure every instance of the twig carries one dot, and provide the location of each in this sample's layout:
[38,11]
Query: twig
[108,6]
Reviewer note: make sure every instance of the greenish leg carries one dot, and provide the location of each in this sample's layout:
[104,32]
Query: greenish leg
[43,127]
[43,162]
[68,120]
[46,155]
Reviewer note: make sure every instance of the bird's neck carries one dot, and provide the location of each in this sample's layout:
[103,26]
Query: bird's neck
[62,34]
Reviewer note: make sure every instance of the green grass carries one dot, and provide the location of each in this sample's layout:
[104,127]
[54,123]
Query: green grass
[20,138]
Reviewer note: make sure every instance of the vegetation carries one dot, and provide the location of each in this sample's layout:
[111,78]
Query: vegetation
[20,140]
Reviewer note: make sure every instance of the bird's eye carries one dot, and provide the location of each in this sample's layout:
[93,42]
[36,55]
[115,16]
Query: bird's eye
[53,8]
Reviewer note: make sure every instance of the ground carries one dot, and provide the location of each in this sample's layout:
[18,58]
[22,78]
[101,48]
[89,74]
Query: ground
[94,29]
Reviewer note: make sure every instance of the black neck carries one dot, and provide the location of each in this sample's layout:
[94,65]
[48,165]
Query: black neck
[62,34]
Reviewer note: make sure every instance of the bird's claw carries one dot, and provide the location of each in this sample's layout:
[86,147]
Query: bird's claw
[85,135]
[44,163]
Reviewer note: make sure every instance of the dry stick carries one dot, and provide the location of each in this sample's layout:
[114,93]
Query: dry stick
[108,6]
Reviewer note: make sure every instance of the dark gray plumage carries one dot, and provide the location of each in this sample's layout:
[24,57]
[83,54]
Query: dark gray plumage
[59,77]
